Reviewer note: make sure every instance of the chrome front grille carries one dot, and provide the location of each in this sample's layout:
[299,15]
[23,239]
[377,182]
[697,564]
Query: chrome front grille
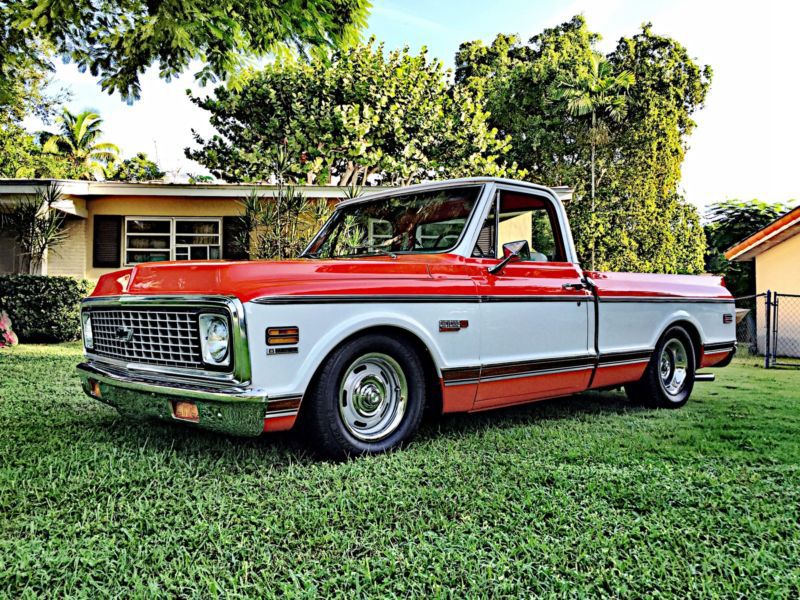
[148,336]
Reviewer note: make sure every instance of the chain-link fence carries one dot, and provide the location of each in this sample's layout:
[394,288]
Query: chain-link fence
[768,326]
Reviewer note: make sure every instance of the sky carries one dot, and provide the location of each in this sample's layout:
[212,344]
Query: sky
[745,143]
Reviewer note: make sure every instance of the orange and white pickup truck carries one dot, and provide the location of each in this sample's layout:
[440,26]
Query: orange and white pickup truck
[457,296]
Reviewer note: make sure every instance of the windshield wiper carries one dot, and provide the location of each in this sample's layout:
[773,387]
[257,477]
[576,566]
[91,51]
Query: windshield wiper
[306,254]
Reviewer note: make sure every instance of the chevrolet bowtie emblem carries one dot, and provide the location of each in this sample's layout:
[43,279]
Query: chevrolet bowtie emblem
[124,334]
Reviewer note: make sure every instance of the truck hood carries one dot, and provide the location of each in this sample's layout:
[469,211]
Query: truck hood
[247,280]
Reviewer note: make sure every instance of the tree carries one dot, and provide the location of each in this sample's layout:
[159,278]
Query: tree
[601,93]
[640,221]
[138,168]
[78,140]
[519,83]
[117,41]
[22,157]
[36,225]
[24,78]
[729,222]
[362,116]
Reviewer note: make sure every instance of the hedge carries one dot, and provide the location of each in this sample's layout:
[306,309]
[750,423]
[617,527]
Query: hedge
[43,308]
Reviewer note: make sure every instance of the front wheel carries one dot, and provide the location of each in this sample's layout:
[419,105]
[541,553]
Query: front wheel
[669,378]
[368,398]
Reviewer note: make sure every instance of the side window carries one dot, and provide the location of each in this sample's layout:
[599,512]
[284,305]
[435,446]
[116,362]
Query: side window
[522,217]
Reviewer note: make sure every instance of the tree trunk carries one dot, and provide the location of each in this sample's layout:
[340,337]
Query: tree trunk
[348,174]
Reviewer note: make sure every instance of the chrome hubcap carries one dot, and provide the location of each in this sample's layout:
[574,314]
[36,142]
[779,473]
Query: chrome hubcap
[373,397]
[673,367]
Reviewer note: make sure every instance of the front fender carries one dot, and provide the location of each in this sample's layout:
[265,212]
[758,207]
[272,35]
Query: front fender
[324,327]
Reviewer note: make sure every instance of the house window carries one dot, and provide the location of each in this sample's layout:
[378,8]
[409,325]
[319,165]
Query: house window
[153,239]
[380,231]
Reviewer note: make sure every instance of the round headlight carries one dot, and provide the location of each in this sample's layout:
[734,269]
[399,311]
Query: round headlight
[215,338]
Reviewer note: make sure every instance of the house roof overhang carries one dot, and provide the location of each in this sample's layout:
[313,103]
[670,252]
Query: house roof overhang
[86,190]
[762,240]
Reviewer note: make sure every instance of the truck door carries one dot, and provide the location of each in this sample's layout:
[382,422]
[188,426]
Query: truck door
[536,312]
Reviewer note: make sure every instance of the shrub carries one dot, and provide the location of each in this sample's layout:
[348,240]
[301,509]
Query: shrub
[43,308]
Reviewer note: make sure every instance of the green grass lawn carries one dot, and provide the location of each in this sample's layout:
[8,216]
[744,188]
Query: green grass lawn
[581,496]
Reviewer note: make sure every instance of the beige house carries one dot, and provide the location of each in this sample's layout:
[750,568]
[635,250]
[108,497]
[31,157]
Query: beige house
[776,252]
[117,224]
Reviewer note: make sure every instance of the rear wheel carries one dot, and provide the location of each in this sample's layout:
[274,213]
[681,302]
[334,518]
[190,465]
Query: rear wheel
[369,398]
[669,378]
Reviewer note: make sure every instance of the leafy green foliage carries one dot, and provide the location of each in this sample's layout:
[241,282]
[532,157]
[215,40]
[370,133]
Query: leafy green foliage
[24,73]
[35,225]
[641,223]
[138,168]
[22,157]
[78,139]
[43,308]
[584,497]
[362,115]
[730,222]
[279,226]
[117,41]
[598,94]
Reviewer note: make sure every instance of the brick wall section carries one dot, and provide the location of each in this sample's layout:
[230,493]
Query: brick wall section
[70,257]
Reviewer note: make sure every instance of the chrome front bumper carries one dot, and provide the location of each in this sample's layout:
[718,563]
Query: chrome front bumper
[171,387]
[227,408]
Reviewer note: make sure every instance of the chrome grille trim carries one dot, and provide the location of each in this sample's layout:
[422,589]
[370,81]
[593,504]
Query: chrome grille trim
[159,337]
[237,373]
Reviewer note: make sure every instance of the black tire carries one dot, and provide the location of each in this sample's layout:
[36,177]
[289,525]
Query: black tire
[333,429]
[658,387]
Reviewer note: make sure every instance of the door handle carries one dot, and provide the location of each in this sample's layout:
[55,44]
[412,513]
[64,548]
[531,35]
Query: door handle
[574,286]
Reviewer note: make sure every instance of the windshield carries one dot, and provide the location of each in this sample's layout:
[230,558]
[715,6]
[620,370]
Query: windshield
[419,222]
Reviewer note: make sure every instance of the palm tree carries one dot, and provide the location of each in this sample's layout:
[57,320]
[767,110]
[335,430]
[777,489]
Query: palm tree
[78,139]
[600,93]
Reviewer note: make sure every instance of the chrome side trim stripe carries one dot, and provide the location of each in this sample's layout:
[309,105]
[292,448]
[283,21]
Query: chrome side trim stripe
[455,299]
[414,299]
[627,357]
[536,373]
[363,299]
[501,371]
[281,405]
[283,413]
[663,299]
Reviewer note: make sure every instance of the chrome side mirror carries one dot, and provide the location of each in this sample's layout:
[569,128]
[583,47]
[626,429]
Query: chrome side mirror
[518,250]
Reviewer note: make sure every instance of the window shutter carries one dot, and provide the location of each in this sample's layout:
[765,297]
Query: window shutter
[107,241]
[232,232]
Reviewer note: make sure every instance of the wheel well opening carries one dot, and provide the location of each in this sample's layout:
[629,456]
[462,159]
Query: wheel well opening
[694,336]
[433,392]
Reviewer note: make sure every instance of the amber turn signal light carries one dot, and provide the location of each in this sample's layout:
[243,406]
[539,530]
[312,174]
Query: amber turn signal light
[95,387]
[185,411]
[282,336]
